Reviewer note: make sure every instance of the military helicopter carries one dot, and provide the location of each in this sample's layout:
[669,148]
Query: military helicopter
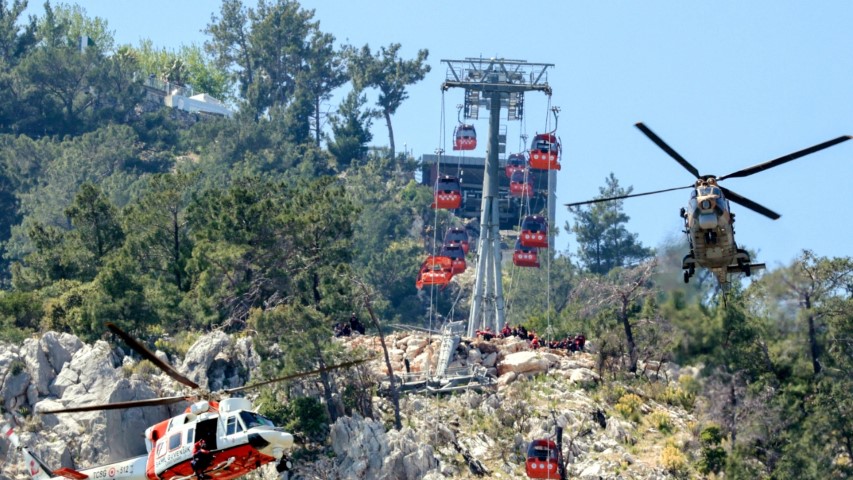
[708,220]
[239,439]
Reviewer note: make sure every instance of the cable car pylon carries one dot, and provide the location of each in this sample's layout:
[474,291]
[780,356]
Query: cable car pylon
[497,80]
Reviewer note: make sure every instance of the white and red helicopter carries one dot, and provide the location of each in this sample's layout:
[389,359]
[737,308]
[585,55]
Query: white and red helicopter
[239,439]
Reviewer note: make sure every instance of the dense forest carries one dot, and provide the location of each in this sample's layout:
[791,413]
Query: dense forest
[279,221]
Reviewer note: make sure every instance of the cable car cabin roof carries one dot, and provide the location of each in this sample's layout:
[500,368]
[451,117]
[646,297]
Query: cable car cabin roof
[447,182]
[534,223]
[453,251]
[518,176]
[466,130]
[455,234]
[521,248]
[545,142]
[436,263]
[516,160]
[542,449]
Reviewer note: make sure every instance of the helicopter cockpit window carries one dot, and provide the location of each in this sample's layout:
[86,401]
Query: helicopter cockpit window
[709,191]
[254,420]
[232,426]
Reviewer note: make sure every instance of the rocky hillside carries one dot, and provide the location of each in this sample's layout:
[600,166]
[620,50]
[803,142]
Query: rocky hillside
[612,430]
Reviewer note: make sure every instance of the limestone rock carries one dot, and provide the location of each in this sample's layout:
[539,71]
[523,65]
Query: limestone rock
[584,377]
[524,362]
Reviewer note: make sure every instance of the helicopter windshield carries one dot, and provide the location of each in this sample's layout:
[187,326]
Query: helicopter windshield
[252,419]
[710,191]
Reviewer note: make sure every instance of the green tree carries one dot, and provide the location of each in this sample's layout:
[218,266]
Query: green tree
[351,130]
[279,57]
[17,38]
[95,221]
[622,292]
[388,73]
[158,230]
[809,285]
[603,241]
[69,91]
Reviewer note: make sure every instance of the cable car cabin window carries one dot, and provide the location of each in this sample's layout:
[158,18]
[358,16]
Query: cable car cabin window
[255,420]
[232,426]
[174,441]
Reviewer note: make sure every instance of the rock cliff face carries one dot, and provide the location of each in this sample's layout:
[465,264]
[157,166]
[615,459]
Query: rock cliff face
[467,435]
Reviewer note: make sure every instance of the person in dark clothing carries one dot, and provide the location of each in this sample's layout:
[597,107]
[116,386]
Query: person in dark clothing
[580,341]
[355,324]
[406,364]
[201,459]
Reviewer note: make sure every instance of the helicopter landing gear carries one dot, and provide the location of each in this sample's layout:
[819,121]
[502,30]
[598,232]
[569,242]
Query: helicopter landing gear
[283,465]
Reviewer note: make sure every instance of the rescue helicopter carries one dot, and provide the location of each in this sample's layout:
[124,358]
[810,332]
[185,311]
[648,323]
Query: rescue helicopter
[238,439]
[708,219]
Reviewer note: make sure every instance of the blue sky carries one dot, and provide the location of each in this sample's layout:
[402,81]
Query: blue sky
[728,84]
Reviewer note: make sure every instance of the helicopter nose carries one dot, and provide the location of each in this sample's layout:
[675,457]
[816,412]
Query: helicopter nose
[276,439]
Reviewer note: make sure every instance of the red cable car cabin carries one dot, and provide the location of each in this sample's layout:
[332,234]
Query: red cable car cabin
[516,161]
[543,459]
[458,237]
[435,271]
[464,137]
[457,257]
[545,152]
[525,256]
[534,231]
[521,184]
[448,193]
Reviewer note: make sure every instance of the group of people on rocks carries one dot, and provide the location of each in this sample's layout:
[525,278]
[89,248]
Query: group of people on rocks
[346,329]
[572,343]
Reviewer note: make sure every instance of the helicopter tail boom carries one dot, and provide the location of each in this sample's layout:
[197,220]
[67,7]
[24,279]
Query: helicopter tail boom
[36,468]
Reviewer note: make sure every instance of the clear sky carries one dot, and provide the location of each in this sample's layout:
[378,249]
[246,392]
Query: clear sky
[728,84]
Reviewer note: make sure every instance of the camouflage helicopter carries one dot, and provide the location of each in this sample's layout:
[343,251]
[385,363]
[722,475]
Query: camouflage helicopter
[708,220]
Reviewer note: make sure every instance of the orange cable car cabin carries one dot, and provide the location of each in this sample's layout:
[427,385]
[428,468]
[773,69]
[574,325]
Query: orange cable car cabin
[543,459]
[534,231]
[457,257]
[464,137]
[525,256]
[435,270]
[516,161]
[545,152]
[521,184]
[448,193]
[457,236]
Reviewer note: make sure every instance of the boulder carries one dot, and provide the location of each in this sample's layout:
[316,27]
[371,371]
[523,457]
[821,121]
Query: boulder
[584,377]
[524,362]
[490,359]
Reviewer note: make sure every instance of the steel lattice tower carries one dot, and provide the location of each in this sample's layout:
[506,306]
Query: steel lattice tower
[499,83]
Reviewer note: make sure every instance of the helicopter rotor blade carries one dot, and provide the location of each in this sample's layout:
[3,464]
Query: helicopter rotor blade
[785,159]
[297,375]
[118,405]
[666,148]
[148,355]
[745,202]
[620,197]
